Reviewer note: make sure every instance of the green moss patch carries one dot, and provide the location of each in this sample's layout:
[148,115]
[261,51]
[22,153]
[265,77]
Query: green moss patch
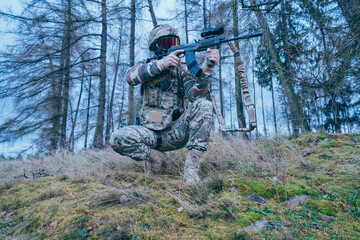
[324,206]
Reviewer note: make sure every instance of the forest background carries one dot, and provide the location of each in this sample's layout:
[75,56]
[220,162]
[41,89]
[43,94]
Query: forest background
[63,65]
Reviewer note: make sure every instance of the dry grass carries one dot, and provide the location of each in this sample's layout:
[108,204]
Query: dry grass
[87,166]
[245,158]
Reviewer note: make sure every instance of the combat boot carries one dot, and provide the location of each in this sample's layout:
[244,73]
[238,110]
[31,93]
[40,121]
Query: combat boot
[192,166]
[155,162]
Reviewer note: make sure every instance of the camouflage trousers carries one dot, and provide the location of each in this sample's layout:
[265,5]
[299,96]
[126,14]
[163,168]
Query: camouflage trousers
[191,130]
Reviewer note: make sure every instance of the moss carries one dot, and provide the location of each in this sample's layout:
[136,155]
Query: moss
[246,219]
[324,207]
[332,143]
[243,188]
[319,180]
[270,190]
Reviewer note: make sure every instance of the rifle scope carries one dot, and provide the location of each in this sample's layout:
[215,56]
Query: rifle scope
[210,32]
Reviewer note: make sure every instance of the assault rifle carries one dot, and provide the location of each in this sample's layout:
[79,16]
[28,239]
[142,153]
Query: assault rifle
[212,39]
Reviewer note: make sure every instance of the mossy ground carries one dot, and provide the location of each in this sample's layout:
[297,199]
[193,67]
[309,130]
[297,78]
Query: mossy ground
[92,207]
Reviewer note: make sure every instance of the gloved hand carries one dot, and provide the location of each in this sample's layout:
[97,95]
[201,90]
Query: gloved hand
[212,55]
[171,60]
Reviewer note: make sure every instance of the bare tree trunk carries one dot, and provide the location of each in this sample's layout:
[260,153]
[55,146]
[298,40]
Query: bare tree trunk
[131,101]
[99,130]
[296,109]
[204,14]
[66,88]
[273,105]
[152,13]
[263,111]
[88,114]
[56,86]
[231,116]
[72,134]
[186,22]
[238,93]
[110,115]
[253,82]
[121,105]
[287,63]
[221,89]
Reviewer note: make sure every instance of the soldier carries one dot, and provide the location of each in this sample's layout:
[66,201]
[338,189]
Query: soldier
[167,123]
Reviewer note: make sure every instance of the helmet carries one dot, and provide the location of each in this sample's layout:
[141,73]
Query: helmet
[158,32]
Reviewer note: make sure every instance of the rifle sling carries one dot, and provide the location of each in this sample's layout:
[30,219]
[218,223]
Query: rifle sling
[245,89]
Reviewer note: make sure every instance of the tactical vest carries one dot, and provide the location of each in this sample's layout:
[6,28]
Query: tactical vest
[162,102]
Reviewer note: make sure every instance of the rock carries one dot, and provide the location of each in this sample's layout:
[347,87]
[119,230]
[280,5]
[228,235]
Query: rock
[95,230]
[355,139]
[124,198]
[257,199]
[314,139]
[308,153]
[315,224]
[258,225]
[279,179]
[296,200]
[324,141]
[40,173]
[327,219]
[324,156]
[2,214]
[332,136]
[54,225]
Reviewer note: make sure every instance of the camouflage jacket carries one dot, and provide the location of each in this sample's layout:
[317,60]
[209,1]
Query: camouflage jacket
[164,92]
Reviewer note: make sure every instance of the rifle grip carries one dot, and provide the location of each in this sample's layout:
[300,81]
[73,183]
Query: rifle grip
[210,63]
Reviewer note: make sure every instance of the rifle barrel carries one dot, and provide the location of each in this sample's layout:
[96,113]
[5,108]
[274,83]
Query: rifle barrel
[251,35]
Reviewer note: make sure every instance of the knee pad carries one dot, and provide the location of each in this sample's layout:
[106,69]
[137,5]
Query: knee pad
[205,106]
[121,139]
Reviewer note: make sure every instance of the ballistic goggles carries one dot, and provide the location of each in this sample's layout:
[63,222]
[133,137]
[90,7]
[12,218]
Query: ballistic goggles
[167,42]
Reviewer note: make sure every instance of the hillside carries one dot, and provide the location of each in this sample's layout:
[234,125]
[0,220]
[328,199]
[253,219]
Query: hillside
[285,188]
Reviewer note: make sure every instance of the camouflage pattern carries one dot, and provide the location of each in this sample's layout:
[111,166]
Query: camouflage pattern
[150,75]
[159,102]
[192,166]
[191,130]
[156,162]
[166,92]
[158,32]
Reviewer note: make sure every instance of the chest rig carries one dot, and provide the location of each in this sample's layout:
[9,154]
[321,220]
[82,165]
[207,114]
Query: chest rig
[163,102]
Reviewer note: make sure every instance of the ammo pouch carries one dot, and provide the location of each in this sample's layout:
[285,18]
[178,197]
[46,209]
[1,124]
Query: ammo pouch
[155,118]
[158,105]
[160,102]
